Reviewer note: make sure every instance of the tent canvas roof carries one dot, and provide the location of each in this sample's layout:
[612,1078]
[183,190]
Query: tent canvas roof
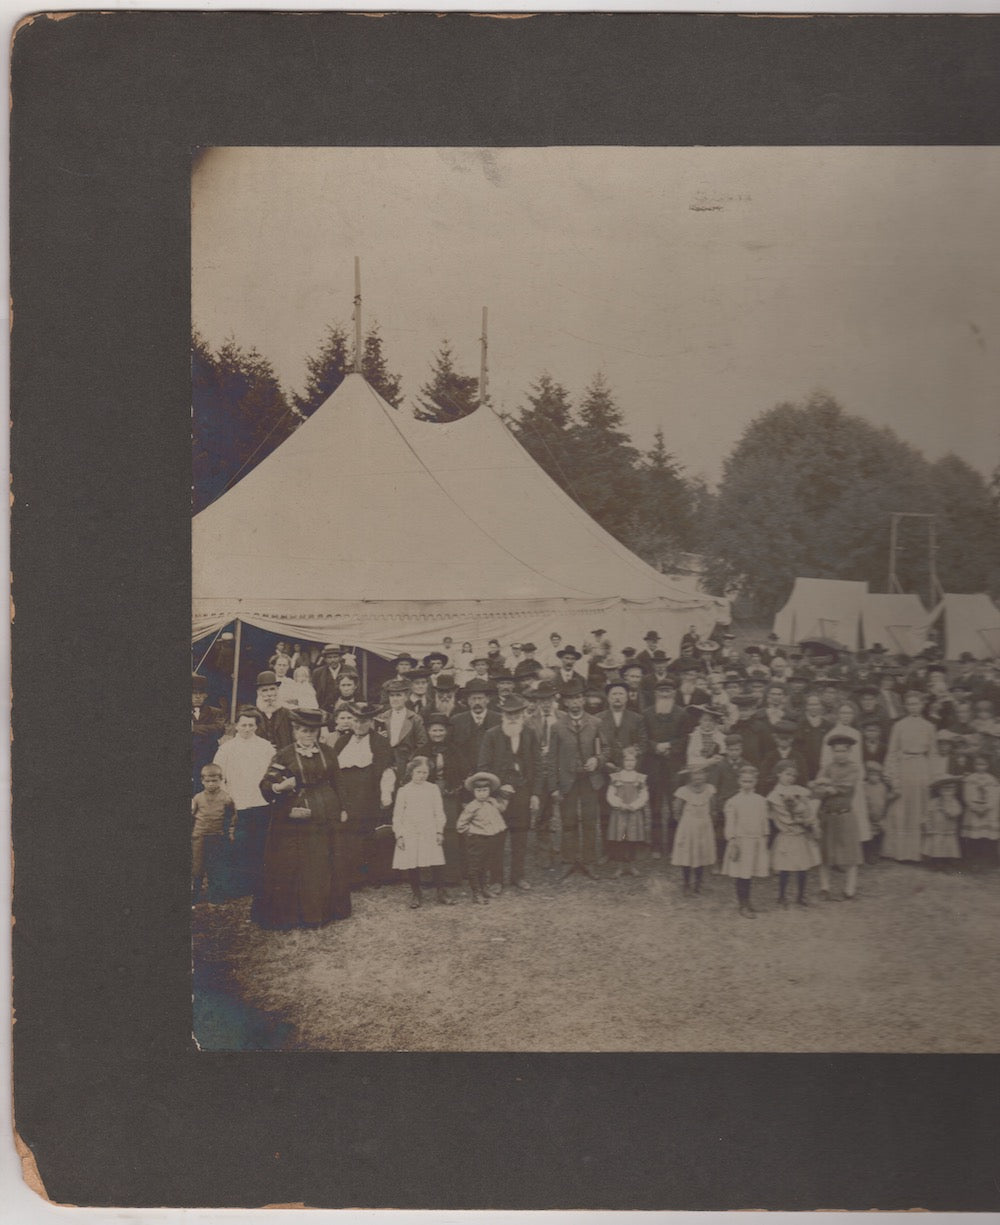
[898,622]
[364,504]
[971,624]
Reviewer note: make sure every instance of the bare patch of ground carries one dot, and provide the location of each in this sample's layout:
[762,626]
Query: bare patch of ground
[628,965]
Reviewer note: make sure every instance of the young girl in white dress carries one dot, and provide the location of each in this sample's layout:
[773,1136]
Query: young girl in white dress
[418,821]
[694,842]
[981,821]
[746,833]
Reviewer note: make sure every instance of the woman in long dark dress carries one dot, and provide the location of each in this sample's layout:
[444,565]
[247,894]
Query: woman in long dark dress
[305,878]
[367,782]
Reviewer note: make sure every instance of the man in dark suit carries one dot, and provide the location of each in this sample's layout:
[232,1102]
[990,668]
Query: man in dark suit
[444,696]
[810,734]
[510,751]
[576,770]
[544,722]
[691,692]
[206,727]
[618,728]
[405,730]
[273,721]
[666,730]
[645,657]
[325,677]
[469,726]
[766,721]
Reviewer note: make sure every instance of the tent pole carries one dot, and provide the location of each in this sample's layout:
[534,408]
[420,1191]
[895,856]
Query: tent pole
[236,668]
[482,362]
[357,314]
[364,672]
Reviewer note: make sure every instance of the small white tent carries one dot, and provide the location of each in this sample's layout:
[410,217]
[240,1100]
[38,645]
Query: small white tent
[971,625]
[372,528]
[898,622]
[823,608]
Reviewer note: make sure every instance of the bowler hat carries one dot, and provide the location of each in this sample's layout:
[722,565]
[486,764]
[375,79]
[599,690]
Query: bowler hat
[544,690]
[418,674]
[513,704]
[198,683]
[266,678]
[572,689]
[478,685]
[651,636]
[445,684]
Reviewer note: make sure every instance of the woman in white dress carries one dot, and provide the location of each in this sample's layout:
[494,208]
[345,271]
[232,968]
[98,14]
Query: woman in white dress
[907,768]
[846,716]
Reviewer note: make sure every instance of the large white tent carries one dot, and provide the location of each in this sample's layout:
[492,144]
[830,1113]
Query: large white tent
[372,528]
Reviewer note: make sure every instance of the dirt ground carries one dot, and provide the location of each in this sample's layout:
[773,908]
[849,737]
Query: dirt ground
[617,965]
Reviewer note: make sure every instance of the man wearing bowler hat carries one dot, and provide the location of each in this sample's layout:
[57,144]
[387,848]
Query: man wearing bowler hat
[470,726]
[645,657]
[577,758]
[206,728]
[511,752]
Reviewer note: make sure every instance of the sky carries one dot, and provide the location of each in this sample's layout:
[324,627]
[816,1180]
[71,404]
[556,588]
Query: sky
[706,284]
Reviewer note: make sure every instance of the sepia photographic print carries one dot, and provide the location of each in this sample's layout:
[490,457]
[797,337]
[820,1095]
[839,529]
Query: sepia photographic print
[595,559]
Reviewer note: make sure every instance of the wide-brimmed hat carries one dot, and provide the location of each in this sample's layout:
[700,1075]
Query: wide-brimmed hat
[544,690]
[569,652]
[665,686]
[615,682]
[363,710]
[482,776]
[331,648]
[400,685]
[707,645]
[478,659]
[437,717]
[479,685]
[438,655]
[418,674]
[651,636]
[198,683]
[943,780]
[834,741]
[308,718]
[406,657]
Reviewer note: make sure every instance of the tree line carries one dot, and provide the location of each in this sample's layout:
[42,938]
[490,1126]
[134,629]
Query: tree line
[806,491]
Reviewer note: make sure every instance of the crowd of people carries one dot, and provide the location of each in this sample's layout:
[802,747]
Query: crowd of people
[770,760]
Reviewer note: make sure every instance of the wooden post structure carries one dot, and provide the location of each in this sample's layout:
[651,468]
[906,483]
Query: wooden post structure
[893,524]
[357,315]
[482,362]
[237,651]
[894,583]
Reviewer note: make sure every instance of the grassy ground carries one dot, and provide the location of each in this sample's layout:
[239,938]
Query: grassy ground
[628,965]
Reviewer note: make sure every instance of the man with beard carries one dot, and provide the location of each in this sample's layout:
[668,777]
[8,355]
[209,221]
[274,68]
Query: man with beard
[273,722]
[665,726]
[812,730]
[445,696]
[510,751]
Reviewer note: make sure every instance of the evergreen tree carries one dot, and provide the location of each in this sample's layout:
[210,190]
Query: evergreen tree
[542,427]
[448,395]
[662,524]
[374,368]
[605,478]
[239,415]
[968,527]
[326,370]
